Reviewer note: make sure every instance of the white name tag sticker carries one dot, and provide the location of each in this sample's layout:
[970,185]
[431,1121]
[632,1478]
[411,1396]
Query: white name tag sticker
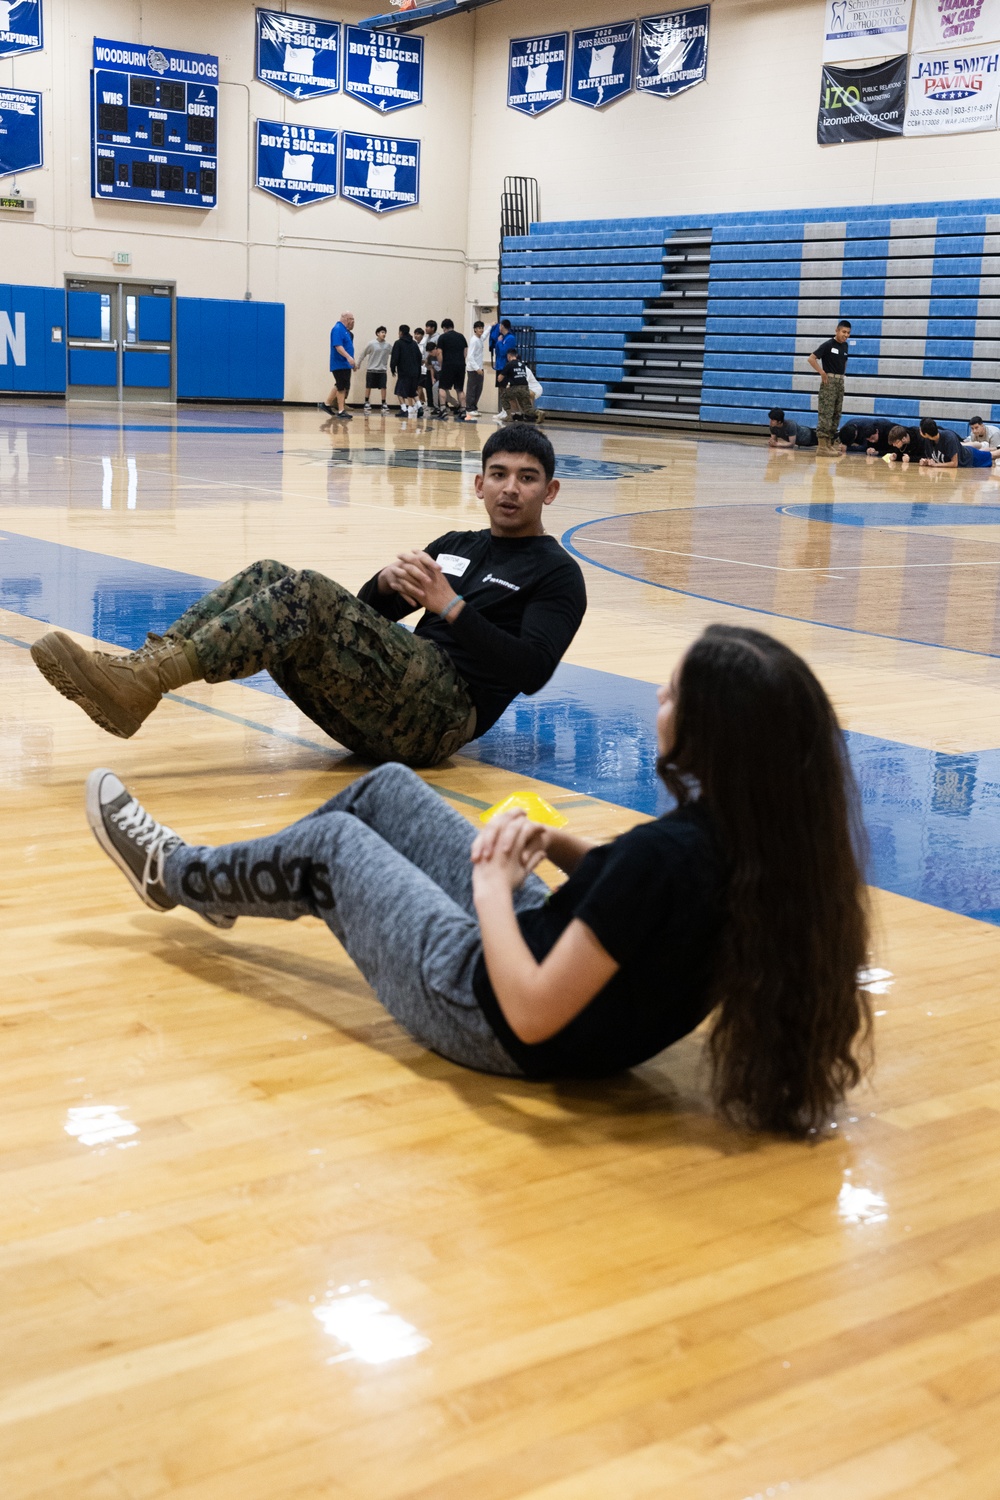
[449,563]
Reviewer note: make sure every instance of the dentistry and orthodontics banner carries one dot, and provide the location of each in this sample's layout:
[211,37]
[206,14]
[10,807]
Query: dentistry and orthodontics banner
[952,92]
[940,24]
[862,104]
[380,174]
[673,51]
[20,26]
[382,69]
[20,131]
[536,72]
[296,163]
[856,29]
[298,55]
[603,63]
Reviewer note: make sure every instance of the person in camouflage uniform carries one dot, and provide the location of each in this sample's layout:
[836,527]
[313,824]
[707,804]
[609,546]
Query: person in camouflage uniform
[829,361]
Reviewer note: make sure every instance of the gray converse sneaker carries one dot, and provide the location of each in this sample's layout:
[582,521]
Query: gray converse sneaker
[135,842]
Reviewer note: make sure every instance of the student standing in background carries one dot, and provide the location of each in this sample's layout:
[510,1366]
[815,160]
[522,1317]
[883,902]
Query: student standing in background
[405,363]
[451,380]
[474,360]
[829,361]
[342,366]
[375,358]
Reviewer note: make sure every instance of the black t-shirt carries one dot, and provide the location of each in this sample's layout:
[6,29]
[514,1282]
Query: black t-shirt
[514,372]
[832,356]
[868,432]
[655,900]
[524,600]
[405,358]
[785,430]
[453,346]
[943,448]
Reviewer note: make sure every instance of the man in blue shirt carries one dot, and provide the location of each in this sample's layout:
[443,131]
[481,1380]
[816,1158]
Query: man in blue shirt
[506,341]
[342,366]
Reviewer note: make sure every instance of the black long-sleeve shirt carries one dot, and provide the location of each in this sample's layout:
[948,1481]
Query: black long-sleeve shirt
[405,359]
[524,600]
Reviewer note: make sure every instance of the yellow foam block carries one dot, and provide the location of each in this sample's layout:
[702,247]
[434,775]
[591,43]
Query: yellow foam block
[888,458]
[537,809]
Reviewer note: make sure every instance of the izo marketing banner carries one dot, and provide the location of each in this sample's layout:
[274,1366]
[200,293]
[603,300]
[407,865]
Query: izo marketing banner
[855,30]
[862,104]
[536,72]
[957,92]
[296,163]
[20,26]
[940,24]
[673,52]
[603,63]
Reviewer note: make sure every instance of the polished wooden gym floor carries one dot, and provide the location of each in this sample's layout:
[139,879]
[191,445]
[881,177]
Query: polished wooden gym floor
[255,1244]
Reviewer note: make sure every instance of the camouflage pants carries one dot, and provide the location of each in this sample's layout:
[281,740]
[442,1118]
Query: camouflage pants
[369,683]
[831,404]
[518,402]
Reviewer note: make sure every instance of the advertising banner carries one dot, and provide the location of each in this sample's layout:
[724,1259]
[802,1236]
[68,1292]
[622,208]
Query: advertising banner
[380,174]
[536,72]
[298,55]
[603,63]
[382,69]
[953,92]
[862,104]
[856,29]
[20,26]
[673,52]
[940,24]
[20,131]
[296,163]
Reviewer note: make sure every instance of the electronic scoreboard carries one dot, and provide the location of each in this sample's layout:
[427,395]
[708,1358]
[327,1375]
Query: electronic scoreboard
[154,125]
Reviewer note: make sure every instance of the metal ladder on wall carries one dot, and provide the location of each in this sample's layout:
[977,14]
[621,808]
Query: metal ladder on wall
[518,211]
[664,361]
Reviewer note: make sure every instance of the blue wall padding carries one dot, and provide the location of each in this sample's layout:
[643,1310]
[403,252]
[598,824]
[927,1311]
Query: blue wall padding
[230,350]
[83,315]
[41,308]
[93,367]
[145,367]
[154,320]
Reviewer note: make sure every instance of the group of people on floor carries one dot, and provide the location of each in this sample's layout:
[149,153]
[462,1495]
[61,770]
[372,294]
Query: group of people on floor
[925,442]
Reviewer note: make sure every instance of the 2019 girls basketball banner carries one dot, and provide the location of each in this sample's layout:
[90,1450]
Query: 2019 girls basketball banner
[673,51]
[862,104]
[20,130]
[536,72]
[296,163]
[603,63]
[380,174]
[382,69]
[954,93]
[940,24]
[298,55]
[856,29]
[20,26]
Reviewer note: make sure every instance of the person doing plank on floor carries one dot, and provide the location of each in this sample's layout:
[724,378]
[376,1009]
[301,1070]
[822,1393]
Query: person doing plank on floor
[501,606]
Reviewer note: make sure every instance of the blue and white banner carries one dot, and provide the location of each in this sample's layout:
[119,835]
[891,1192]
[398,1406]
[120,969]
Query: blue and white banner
[160,62]
[382,69]
[20,131]
[603,63]
[296,163]
[536,72]
[673,51]
[298,55]
[854,30]
[380,174]
[20,26]
[953,93]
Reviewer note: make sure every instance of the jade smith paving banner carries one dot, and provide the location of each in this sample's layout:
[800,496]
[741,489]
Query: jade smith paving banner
[939,24]
[603,63]
[862,104]
[536,72]
[954,92]
[673,51]
[855,29]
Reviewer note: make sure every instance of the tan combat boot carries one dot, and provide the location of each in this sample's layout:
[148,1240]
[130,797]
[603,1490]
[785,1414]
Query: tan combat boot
[118,692]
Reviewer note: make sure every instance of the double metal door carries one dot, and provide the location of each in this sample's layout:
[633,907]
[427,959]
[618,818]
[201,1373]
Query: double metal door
[120,338]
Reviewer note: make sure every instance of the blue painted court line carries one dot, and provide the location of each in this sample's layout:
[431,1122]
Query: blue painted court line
[933,818]
[137,427]
[885,513]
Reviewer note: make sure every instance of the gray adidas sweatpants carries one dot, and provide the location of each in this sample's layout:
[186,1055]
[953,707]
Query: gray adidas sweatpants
[385,864]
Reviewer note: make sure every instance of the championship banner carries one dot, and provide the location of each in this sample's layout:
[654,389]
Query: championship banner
[855,29]
[20,26]
[380,174]
[382,69]
[862,104]
[20,131]
[673,52]
[298,55]
[940,24]
[296,163]
[536,72]
[603,63]
[952,93]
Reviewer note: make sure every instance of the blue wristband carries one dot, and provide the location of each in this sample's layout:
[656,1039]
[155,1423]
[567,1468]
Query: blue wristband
[444,613]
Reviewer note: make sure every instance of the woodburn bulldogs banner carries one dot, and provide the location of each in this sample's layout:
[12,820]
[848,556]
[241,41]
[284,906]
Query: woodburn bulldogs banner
[862,104]
[954,92]
[940,24]
[855,29]
[673,51]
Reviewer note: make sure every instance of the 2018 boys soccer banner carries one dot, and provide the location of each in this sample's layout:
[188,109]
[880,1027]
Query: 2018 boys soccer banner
[20,130]
[380,174]
[940,24]
[536,72]
[382,69]
[862,104]
[857,29]
[673,51]
[603,63]
[954,93]
[296,163]
[298,55]
[20,26]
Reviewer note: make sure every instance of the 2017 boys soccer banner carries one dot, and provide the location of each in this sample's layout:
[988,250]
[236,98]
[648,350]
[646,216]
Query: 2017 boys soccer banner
[296,163]
[954,93]
[536,72]
[298,55]
[20,130]
[862,104]
[603,63]
[940,24]
[380,174]
[382,69]
[855,29]
[673,51]
[20,26]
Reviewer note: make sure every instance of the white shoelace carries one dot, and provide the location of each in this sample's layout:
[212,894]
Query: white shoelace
[146,833]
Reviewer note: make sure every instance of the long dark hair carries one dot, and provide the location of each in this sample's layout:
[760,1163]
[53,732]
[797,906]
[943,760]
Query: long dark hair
[756,733]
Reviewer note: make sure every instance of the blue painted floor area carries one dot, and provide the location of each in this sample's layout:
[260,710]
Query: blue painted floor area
[885,513]
[933,819]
